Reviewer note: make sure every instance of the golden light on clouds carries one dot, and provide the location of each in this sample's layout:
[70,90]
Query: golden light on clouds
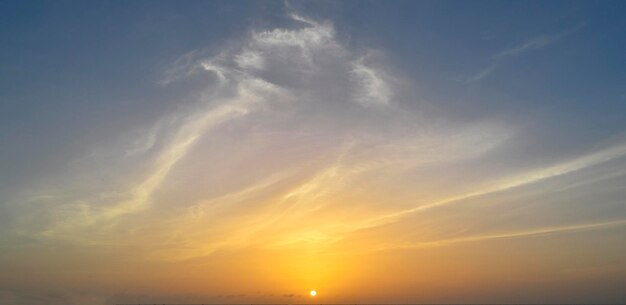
[288,159]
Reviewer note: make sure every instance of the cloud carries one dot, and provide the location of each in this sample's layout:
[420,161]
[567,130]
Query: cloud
[508,183]
[532,44]
[497,59]
[246,80]
[372,90]
[286,123]
[511,235]
[249,93]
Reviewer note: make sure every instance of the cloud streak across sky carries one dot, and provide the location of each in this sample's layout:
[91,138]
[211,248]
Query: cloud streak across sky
[530,45]
[245,82]
[289,158]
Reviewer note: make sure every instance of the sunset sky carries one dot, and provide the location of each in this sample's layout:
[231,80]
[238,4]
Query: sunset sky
[373,151]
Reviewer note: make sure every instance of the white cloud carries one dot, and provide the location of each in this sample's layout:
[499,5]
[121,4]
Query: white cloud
[518,180]
[535,232]
[301,79]
[372,89]
[250,60]
[532,44]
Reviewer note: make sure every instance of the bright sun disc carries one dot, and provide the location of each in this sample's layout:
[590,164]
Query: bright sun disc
[313,293]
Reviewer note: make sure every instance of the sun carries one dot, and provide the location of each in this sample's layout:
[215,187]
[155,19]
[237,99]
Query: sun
[313,293]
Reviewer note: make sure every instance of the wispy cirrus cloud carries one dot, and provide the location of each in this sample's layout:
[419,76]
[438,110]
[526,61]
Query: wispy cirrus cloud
[306,81]
[373,89]
[535,232]
[332,135]
[530,45]
[247,79]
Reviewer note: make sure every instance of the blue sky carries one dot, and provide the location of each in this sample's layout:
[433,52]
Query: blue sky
[393,128]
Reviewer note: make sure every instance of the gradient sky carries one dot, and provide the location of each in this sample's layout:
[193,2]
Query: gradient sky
[239,152]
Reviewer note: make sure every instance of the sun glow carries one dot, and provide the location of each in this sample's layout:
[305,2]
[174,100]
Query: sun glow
[313,293]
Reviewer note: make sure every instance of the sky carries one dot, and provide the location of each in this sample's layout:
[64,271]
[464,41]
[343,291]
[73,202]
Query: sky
[251,151]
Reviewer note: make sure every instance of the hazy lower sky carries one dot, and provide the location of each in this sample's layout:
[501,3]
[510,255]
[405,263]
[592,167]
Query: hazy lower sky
[375,151]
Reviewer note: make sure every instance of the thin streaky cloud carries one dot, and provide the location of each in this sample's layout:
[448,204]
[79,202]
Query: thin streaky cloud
[218,107]
[497,59]
[535,176]
[511,235]
[250,94]
[532,44]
